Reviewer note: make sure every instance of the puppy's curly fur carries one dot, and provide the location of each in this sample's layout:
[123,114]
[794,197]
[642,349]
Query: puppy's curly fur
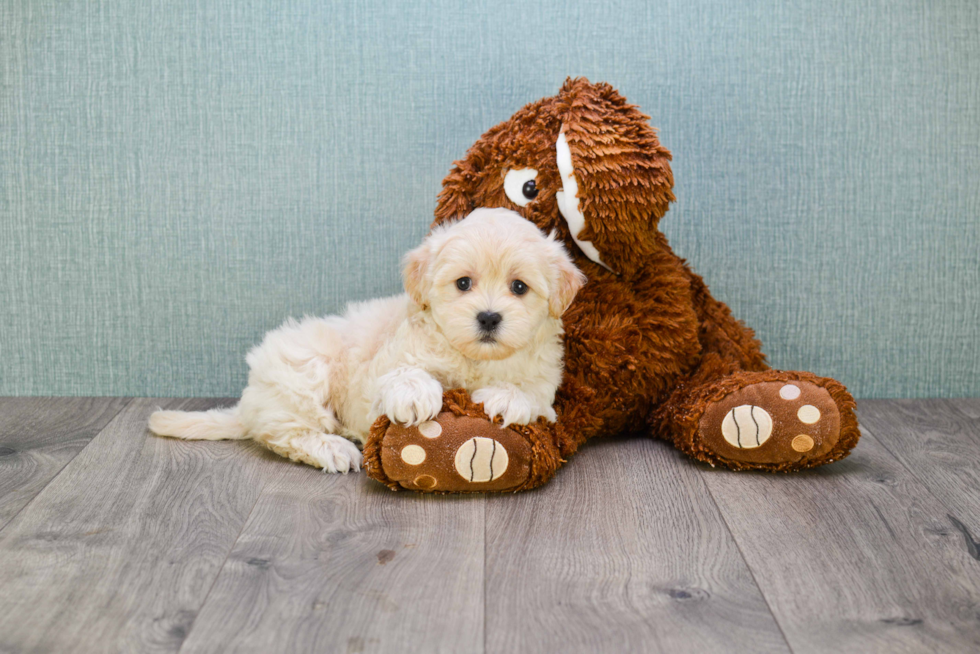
[482,312]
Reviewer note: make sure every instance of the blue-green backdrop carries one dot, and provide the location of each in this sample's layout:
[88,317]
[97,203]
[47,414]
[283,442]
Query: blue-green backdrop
[176,177]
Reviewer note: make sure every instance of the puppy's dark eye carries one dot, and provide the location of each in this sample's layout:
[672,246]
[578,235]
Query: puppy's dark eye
[530,189]
[517,287]
[464,283]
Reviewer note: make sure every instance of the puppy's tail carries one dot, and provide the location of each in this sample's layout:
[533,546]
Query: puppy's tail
[213,425]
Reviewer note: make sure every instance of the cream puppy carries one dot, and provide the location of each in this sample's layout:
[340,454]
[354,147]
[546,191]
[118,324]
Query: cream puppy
[482,312]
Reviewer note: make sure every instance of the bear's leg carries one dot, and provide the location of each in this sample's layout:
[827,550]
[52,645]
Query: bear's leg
[734,411]
[461,451]
[761,420]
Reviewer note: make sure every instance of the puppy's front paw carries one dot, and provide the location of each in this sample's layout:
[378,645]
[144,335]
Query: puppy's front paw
[409,396]
[341,455]
[330,452]
[510,403]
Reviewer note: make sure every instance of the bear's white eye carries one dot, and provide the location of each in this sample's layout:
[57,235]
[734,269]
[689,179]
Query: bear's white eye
[520,186]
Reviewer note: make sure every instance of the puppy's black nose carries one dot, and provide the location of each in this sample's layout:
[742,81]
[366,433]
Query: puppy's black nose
[488,320]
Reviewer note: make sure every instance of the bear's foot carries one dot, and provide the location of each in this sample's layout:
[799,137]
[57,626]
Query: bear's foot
[453,454]
[773,420]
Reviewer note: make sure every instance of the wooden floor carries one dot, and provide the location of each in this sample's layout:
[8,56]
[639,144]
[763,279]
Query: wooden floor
[112,540]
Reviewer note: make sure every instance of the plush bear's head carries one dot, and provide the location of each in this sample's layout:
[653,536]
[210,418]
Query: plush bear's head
[584,163]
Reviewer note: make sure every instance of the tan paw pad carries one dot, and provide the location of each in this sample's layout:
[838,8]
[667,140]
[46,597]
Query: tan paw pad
[481,459]
[808,414]
[413,455]
[430,429]
[802,443]
[425,482]
[789,392]
[747,426]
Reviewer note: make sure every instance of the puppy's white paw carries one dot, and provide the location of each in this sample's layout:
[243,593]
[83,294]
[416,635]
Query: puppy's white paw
[331,452]
[409,396]
[549,414]
[511,404]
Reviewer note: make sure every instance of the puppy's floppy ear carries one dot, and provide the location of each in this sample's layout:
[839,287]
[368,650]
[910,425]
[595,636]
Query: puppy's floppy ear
[415,266]
[566,282]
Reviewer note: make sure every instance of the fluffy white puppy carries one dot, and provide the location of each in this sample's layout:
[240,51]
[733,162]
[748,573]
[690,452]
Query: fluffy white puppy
[482,312]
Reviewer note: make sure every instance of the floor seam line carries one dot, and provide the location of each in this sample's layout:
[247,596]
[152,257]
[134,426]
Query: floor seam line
[748,566]
[221,568]
[67,463]
[865,431]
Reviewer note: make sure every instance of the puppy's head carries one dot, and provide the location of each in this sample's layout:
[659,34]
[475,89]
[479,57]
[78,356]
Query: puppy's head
[490,281]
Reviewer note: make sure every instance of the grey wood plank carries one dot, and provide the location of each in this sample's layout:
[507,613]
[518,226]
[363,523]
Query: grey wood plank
[340,563]
[624,551]
[39,436]
[854,557]
[118,552]
[940,445]
[967,406]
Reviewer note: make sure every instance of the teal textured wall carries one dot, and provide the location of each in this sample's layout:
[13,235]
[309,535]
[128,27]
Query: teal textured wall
[176,177]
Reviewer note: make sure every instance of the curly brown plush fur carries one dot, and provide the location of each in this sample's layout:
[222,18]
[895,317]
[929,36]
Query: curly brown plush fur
[647,346]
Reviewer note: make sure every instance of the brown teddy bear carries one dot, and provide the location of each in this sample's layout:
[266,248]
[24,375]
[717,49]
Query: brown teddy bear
[648,349]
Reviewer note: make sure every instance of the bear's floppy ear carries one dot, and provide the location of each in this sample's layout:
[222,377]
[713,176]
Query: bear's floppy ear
[415,268]
[568,280]
[621,172]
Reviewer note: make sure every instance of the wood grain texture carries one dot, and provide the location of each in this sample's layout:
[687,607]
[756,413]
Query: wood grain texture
[118,552]
[340,563]
[854,557]
[967,406]
[143,544]
[38,436]
[940,446]
[624,551]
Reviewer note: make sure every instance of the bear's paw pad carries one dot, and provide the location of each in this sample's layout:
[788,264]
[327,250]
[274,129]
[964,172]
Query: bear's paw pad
[455,454]
[771,423]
